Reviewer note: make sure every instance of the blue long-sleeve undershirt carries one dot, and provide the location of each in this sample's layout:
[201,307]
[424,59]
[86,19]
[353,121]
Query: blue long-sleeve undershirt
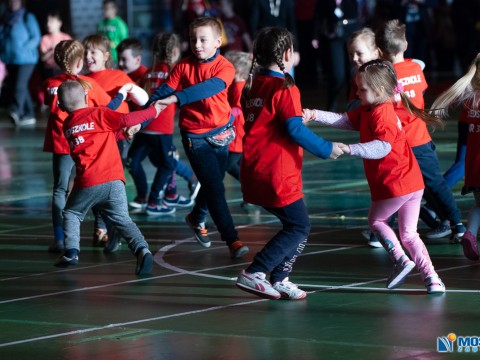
[115,102]
[197,92]
[305,138]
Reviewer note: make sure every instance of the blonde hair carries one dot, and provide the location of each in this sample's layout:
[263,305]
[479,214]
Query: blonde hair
[66,53]
[380,75]
[242,62]
[70,95]
[101,43]
[465,90]
[367,35]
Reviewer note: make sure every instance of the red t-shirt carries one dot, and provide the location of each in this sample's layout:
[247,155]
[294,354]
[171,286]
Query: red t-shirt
[112,80]
[55,141]
[91,133]
[234,96]
[164,123]
[138,74]
[397,173]
[410,75]
[271,168]
[201,116]
[472,156]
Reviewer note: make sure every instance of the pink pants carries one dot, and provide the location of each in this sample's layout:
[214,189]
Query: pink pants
[408,207]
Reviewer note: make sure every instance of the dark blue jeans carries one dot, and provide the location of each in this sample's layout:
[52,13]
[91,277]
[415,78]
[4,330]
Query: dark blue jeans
[456,172]
[158,148]
[209,164]
[279,254]
[437,192]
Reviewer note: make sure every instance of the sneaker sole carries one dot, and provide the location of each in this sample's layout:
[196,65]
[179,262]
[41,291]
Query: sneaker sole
[436,289]
[151,213]
[375,244]
[204,244]
[258,293]
[439,235]
[284,296]
[240,252]
[470,249]
[193,196]
[146,265]
[177,205]
[66,263]
[400,279]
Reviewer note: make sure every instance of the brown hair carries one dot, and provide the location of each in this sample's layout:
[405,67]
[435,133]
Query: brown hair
[390,38]
[207,21]
[70,95]
[102,43]
[66,53]
[163,46]
[380,74]
[269,45]
[242,62]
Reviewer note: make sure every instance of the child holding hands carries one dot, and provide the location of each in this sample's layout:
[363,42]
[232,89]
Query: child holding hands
[270,173]
[392,172]
[99,182]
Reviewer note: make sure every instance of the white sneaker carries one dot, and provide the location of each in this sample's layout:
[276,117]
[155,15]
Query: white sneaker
[256,284]
[434,285]
[289,290]
[401,269]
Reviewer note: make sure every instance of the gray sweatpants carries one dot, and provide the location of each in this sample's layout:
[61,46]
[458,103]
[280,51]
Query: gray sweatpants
[111,199]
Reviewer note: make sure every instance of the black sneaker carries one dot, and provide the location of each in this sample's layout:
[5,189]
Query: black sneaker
[144,262]
[65,261]
[458,231]
[200,231]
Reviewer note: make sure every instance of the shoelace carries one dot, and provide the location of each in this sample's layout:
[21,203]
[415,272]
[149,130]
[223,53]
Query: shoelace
[203,231]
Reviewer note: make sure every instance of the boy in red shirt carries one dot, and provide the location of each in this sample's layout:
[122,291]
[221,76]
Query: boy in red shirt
[392,43]
[199,85]
[130,59]
[99,182]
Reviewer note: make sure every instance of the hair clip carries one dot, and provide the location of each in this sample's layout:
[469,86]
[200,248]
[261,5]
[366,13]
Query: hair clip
[398,88]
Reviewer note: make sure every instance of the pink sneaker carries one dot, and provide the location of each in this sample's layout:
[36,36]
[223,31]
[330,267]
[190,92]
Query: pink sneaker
[469,243]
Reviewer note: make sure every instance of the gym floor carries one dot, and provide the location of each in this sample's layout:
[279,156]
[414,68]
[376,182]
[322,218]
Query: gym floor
[189,307]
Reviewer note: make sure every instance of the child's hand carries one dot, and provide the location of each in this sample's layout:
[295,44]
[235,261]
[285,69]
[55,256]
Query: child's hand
[168,100]
[308,115]
[337,150]
[125,89]
[159,107]
[344,147]
[132,130]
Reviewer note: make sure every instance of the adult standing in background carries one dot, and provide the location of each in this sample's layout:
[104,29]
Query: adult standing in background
[19,41]
[335,22]
[275,13]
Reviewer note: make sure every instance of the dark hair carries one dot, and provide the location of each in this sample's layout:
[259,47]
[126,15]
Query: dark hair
[269,45]
[130,43]
[390,38]
[380,74]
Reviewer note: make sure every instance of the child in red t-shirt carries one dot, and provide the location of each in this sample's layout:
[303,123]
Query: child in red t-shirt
[199,84]
[99,62]
[99,182]
[392,172]
[465,92]
[271,169]
[69,57]
[156,140]
[242,62]
[392,43]
[130,59]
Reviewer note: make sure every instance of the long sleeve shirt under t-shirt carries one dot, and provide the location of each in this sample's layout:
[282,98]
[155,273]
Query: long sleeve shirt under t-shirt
[92,135]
